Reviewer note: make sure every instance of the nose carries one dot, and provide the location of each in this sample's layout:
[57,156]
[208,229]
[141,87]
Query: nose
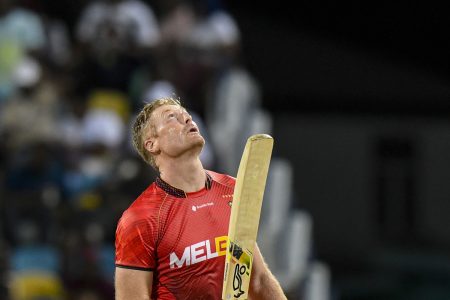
[187,118]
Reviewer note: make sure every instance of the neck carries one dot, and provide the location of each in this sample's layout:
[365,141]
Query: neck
[185,174]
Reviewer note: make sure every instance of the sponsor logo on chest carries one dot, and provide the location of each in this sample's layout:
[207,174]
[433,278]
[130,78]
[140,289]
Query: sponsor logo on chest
[197,207]
[199,252]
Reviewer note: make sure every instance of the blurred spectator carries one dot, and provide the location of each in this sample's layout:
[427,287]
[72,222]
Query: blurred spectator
[93,132]
[33,178]
[116,39]
[105,117]
[82,267]
[30,114]
[177,20]
[33,167]
[129,22]
[70,122]
[58,47]
[21,33]
[22,26]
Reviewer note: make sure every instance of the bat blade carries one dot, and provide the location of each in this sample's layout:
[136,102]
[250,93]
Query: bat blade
[245,214]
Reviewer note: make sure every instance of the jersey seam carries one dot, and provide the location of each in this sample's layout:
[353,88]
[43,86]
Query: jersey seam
[158,222]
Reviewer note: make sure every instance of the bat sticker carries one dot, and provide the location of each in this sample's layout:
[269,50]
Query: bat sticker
[239,270]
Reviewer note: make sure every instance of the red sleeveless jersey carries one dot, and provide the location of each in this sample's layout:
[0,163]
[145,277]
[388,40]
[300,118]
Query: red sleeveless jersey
[180,237]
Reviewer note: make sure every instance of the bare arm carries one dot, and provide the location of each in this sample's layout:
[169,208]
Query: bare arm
[263,285]
[133,284]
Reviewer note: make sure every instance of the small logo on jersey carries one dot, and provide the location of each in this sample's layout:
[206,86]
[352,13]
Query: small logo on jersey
[197,207]
[239,270]
[230,203]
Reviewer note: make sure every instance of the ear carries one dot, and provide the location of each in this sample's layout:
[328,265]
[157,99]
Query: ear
[152,146]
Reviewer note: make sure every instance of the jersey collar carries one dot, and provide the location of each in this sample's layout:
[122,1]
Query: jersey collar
[178,192]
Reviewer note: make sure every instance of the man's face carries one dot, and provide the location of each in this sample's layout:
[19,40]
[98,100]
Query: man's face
[173,132]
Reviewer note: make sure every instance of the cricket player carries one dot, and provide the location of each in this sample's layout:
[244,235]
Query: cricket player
[171,241]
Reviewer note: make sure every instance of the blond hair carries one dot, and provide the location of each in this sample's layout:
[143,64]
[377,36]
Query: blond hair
[141,123]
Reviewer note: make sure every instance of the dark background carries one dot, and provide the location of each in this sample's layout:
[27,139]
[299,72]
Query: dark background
[360,96]
[349,56]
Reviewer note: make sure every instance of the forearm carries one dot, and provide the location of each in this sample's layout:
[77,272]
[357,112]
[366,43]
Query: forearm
[133,284]
[266,287]
[263,284]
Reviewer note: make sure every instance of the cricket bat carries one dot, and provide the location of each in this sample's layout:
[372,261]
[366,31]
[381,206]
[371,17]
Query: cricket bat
[245,214]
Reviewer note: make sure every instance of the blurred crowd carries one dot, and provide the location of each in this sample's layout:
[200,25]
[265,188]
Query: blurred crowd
[68,95]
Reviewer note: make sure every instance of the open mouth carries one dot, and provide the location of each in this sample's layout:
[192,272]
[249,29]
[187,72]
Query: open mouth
[193,129]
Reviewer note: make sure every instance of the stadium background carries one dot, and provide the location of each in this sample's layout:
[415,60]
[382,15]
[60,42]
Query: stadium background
[356,96]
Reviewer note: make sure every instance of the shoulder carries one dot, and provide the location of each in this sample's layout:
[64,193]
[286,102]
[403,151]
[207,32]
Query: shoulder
[144,208]
[223,179]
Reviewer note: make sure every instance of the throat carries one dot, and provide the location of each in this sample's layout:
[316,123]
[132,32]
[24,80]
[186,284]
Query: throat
[189,178]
